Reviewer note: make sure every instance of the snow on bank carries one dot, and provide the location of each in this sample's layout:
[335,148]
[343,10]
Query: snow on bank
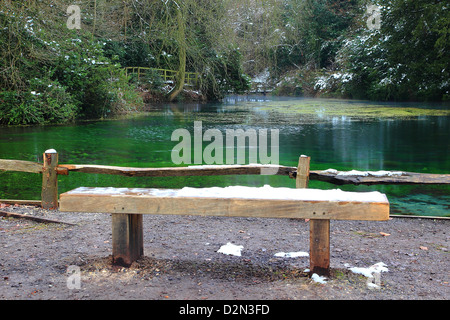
[261,81]
[331,81]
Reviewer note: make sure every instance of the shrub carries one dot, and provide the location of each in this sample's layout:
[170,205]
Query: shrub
[225,75]
[61,74]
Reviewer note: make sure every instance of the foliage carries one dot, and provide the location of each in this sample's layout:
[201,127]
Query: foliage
[316,29]
[417,48]
[225,76]
[51,74]
[92,78]
[408,58]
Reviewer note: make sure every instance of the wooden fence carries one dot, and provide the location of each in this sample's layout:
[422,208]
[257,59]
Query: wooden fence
[50,169]
[191,78]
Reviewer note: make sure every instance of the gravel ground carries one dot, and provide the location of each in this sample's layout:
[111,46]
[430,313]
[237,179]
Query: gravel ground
[181,259]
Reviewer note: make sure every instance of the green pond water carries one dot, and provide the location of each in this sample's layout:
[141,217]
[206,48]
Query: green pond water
[338,134]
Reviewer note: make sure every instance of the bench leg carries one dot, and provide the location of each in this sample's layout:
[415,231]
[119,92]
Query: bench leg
[127,238]
[319,255]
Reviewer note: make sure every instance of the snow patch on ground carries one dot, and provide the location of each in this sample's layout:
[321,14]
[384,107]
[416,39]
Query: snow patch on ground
[368,272]
[231,249]
[372,273]
[292,254]
[319,279]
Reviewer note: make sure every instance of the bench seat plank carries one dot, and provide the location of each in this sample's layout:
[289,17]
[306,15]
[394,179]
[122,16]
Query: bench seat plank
[263,202]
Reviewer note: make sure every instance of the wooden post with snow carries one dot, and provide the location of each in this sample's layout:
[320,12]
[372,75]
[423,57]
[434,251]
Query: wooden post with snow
[49,194]
[319,229]
[302,179]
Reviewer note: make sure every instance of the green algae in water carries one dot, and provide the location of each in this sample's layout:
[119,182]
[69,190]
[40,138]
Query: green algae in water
[352,109]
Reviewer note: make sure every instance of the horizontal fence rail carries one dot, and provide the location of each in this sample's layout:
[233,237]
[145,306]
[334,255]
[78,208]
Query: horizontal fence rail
[21,166]
[50,169]
[338,178]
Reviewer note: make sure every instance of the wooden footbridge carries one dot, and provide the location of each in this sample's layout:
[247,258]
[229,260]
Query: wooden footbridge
[168,76]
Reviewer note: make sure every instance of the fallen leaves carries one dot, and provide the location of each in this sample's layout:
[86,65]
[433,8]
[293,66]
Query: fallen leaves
[366,234]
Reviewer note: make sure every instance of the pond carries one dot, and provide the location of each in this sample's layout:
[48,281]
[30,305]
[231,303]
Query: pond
[337,134]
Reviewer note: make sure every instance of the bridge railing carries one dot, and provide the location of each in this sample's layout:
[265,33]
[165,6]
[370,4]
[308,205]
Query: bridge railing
[169,76]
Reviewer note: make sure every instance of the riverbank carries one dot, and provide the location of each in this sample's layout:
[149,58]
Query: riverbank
[160,96]
[181,259]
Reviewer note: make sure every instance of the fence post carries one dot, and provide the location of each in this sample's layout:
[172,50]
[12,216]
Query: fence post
[127,238]
[319,243]
[319,229]
[49,195]
[302,179]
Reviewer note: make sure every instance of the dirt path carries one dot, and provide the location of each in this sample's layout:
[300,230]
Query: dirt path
[181,259]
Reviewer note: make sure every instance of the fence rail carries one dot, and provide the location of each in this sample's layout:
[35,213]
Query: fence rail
[191,78]
[50,169]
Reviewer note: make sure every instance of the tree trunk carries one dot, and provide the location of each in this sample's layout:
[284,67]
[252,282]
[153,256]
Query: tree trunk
[181,37]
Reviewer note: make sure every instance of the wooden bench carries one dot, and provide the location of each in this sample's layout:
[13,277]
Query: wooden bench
[128,205]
